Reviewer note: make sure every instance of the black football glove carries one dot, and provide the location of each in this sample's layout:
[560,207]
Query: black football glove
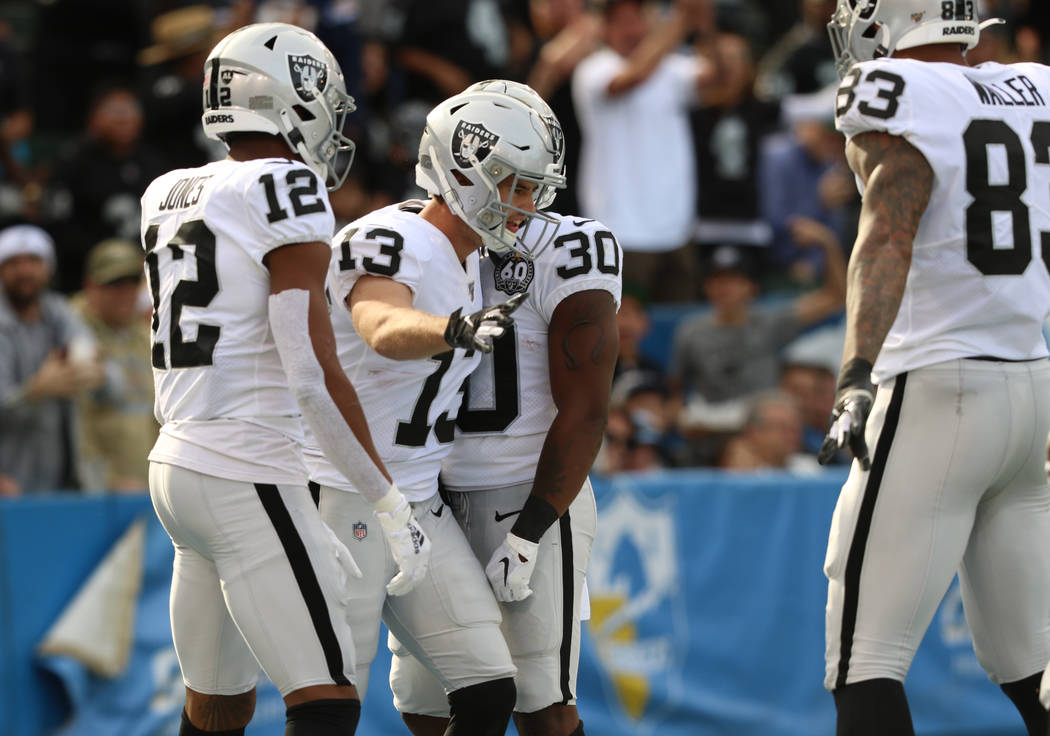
[477,331]
[853,400]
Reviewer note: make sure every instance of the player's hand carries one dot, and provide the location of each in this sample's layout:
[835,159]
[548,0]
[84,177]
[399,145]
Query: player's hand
[477,331]
[510,568]
[409,546]
[850,415]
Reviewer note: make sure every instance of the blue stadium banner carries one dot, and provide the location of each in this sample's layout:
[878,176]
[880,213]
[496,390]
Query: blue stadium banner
[707,599]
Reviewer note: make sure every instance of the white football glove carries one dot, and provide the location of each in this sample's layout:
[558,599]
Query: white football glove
[510,568]
[408,544]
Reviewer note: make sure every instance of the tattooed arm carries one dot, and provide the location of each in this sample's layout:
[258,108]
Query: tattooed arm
[898,181]
[582,349]
[582,345]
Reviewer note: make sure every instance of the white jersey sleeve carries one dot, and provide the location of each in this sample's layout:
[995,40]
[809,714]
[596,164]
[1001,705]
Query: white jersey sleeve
[978,284]
[508,406]
[371,246]
[283,202]
[221,393]
[410,405]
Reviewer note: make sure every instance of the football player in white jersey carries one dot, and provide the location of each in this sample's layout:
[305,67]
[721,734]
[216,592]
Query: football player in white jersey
[947,293]
[516,480]
[412,331]
[236,256]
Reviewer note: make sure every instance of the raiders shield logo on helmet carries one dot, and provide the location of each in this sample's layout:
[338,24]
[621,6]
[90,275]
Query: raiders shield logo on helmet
[309,76]
[513,273]
[471,140]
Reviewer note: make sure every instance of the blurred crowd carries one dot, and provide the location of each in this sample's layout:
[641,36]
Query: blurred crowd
[700,131]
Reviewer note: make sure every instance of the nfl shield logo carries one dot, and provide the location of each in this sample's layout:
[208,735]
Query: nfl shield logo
[471,141]
[360,530]
[309,76]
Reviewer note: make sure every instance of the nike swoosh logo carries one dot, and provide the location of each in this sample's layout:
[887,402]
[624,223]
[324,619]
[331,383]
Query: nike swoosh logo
[506,567]
[578,223]
[439,512]
[500,517]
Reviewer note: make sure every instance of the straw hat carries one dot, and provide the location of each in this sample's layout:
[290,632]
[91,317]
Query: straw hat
[180,33]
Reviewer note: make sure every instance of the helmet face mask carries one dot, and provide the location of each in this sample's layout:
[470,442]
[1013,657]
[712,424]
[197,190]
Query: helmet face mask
[871,29]
[477,140]
[280,79]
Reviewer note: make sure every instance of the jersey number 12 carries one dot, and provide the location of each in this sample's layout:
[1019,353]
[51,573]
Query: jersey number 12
[194,234]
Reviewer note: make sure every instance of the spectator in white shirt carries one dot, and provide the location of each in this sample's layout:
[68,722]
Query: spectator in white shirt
[637,171]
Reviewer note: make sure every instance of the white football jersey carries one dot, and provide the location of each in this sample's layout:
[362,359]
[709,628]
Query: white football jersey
[508,409]
[221,393]
[410,404]
[978,283]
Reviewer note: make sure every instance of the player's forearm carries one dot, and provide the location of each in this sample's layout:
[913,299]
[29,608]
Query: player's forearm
[568,453]
[898,182]
[582,344]
[326,399]
[399,333]
[878,272]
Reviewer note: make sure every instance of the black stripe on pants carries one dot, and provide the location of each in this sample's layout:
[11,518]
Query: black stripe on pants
[305,577]
[568,575]
[855,561]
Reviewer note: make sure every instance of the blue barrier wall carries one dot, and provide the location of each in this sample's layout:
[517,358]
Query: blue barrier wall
[708,612]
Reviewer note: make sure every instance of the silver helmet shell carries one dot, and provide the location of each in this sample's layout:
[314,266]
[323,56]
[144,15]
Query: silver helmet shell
[280,79]
[472,142]
[870,29]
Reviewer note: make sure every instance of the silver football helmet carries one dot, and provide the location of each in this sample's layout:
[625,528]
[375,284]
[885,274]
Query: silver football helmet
[280,79]
[870,29]
[472,142]
[531,97]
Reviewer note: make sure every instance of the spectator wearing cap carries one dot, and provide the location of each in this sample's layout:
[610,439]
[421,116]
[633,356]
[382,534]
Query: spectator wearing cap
[171,91]
[46,359]
[637,172]
[116,424]
[723,357]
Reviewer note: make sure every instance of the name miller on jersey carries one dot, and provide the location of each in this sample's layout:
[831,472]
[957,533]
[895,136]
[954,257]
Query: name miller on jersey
[185,193]
[993,94]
